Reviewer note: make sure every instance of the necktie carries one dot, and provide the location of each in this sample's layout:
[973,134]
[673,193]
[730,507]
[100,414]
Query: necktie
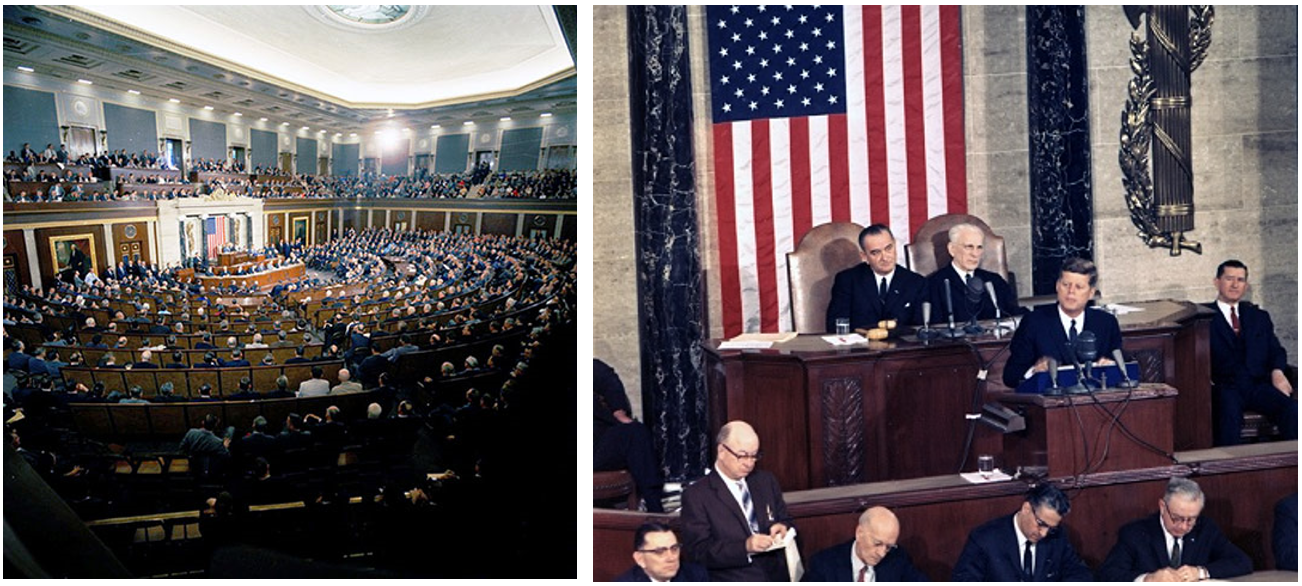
[1071,333]
[862,572]
[1028,563]
[881,293]
[1175,555]
[1234,320]
[748,507]
[967,280]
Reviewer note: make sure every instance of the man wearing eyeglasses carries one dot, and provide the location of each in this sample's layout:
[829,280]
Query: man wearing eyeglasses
[732,517]
[1027,546]
[873,555]
[656,552]
[1175,545]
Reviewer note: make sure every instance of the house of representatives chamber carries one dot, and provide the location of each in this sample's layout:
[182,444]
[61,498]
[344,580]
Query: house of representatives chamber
[298,307]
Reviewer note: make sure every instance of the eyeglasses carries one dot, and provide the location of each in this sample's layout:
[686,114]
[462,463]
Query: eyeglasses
[662,551]
[874,543]
[754,457]
[1178,520]
[1041,524]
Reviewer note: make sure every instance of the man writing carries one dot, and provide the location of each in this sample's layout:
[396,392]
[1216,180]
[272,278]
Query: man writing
[732,517]
[967,246]
[1248,361]
[1051,331]
[878,289]
[1175,545]
[1025,547]
[872,556]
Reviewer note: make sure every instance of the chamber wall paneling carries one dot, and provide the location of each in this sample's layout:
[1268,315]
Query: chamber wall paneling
[52,240]
[503,224]
[15,254]
[131,239]
[431,220]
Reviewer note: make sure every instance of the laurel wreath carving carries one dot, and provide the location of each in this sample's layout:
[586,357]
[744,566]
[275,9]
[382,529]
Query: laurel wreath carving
[1137,132]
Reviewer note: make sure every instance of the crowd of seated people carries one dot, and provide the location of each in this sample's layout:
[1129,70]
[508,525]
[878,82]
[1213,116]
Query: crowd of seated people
[217,166]
[31,174]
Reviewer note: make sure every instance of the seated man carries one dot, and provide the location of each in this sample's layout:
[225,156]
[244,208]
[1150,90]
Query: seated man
[878,289]
[1174,545]
[656,552]
[872,556]
[967,282]
[208,453]
[1050,331]
[1027,546]
[315,386]
[619,441]
[731,517]
[346,384]
[1248,361]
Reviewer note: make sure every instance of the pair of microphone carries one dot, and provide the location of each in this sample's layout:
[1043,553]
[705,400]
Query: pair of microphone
[974,289]
[1083,354]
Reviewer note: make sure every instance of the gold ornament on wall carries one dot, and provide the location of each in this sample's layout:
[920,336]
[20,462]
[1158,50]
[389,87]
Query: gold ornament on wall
[1158,107]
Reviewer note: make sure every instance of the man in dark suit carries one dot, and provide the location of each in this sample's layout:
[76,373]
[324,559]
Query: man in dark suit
[1175,545]
[732,517]
[1248,361]
[873,555]
[178,360]
[656,552]
[146,360]
[621,442]
[298,356]
[967,282]
[1050,331]
[206,343]
[878,289]
[237,359]
[1027,546]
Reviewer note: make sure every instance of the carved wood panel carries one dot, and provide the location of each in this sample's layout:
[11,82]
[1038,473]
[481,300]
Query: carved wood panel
[843,431]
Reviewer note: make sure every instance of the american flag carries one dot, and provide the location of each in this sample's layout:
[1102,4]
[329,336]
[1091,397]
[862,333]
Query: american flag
[827,114]
[214,230]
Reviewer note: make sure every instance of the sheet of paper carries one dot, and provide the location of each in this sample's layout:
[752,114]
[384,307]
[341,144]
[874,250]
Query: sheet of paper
[976,478]
[762,337]
[846,340]
[790,537]
[1119,309]
[743,345]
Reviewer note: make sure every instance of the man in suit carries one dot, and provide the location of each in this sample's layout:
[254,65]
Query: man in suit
[878,289]
[1050,331]
[178,360]
[656,552]
[967,282]
[621,442]
[346,384]
[732,517]
[1248,361]
[146,360]
[1175,545]
[237,359]
[315,386]
[872,556]
[298,356]
[1027,546]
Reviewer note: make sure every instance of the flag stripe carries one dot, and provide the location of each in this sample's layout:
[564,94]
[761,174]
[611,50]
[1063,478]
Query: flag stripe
[802,213]
[855,115]
[839,157]
[820,179]
[762,208]
[783,242]
[933,112]
[893,97]
[914,130]
[744,200]
[729,280]
[874,92]
[951,57]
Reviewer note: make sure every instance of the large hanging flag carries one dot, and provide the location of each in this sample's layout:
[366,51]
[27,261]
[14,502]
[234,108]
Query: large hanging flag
[214,230]
[827,114]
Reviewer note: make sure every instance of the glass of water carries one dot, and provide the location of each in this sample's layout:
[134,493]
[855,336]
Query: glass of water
[842,326]
[986,465]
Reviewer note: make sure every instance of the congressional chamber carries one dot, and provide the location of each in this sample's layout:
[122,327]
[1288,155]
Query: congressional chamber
[271,322]
[996,293]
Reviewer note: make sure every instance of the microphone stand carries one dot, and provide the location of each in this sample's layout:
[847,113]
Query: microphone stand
[1126,382]
[927,333]
[952,332]
[1053,378]
[1080,388]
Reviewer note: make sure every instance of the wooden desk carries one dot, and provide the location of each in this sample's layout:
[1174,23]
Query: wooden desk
[896,409]
[1242,484]
[1074,433]
[263,279]
[233,258]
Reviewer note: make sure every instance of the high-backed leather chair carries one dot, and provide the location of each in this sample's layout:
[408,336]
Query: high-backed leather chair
[929,249]
[825,250]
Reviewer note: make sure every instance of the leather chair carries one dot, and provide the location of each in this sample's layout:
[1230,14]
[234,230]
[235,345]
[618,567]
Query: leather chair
[929,249]
[614,485]
[825,250]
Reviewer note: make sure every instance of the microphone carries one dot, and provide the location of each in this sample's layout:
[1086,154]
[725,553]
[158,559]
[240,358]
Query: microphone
[1053,378]
[1126,383]
[1087,351]
[952,332]
[926,333]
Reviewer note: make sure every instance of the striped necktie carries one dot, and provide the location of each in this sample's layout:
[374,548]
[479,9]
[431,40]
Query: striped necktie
[747,506]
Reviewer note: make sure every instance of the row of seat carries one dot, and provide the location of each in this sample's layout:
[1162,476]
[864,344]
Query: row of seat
[186,382]
[192,358]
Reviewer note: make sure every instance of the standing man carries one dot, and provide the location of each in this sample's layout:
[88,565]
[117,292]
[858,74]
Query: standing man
[1050,331]
[967,243]
[656,552]
[732,517]
[878,289]
[1027,546]
[873,556]
[1174,545]
[1248,361]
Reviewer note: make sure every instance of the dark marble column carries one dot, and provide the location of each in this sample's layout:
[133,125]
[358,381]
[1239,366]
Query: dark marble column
[671,292]
[1062,208]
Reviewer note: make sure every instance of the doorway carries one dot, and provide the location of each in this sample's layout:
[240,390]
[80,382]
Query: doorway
[172,154]
[81,141]
[323,166]
[287,163]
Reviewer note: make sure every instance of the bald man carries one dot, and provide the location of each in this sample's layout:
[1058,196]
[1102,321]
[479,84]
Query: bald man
[732,516]
[872,556]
